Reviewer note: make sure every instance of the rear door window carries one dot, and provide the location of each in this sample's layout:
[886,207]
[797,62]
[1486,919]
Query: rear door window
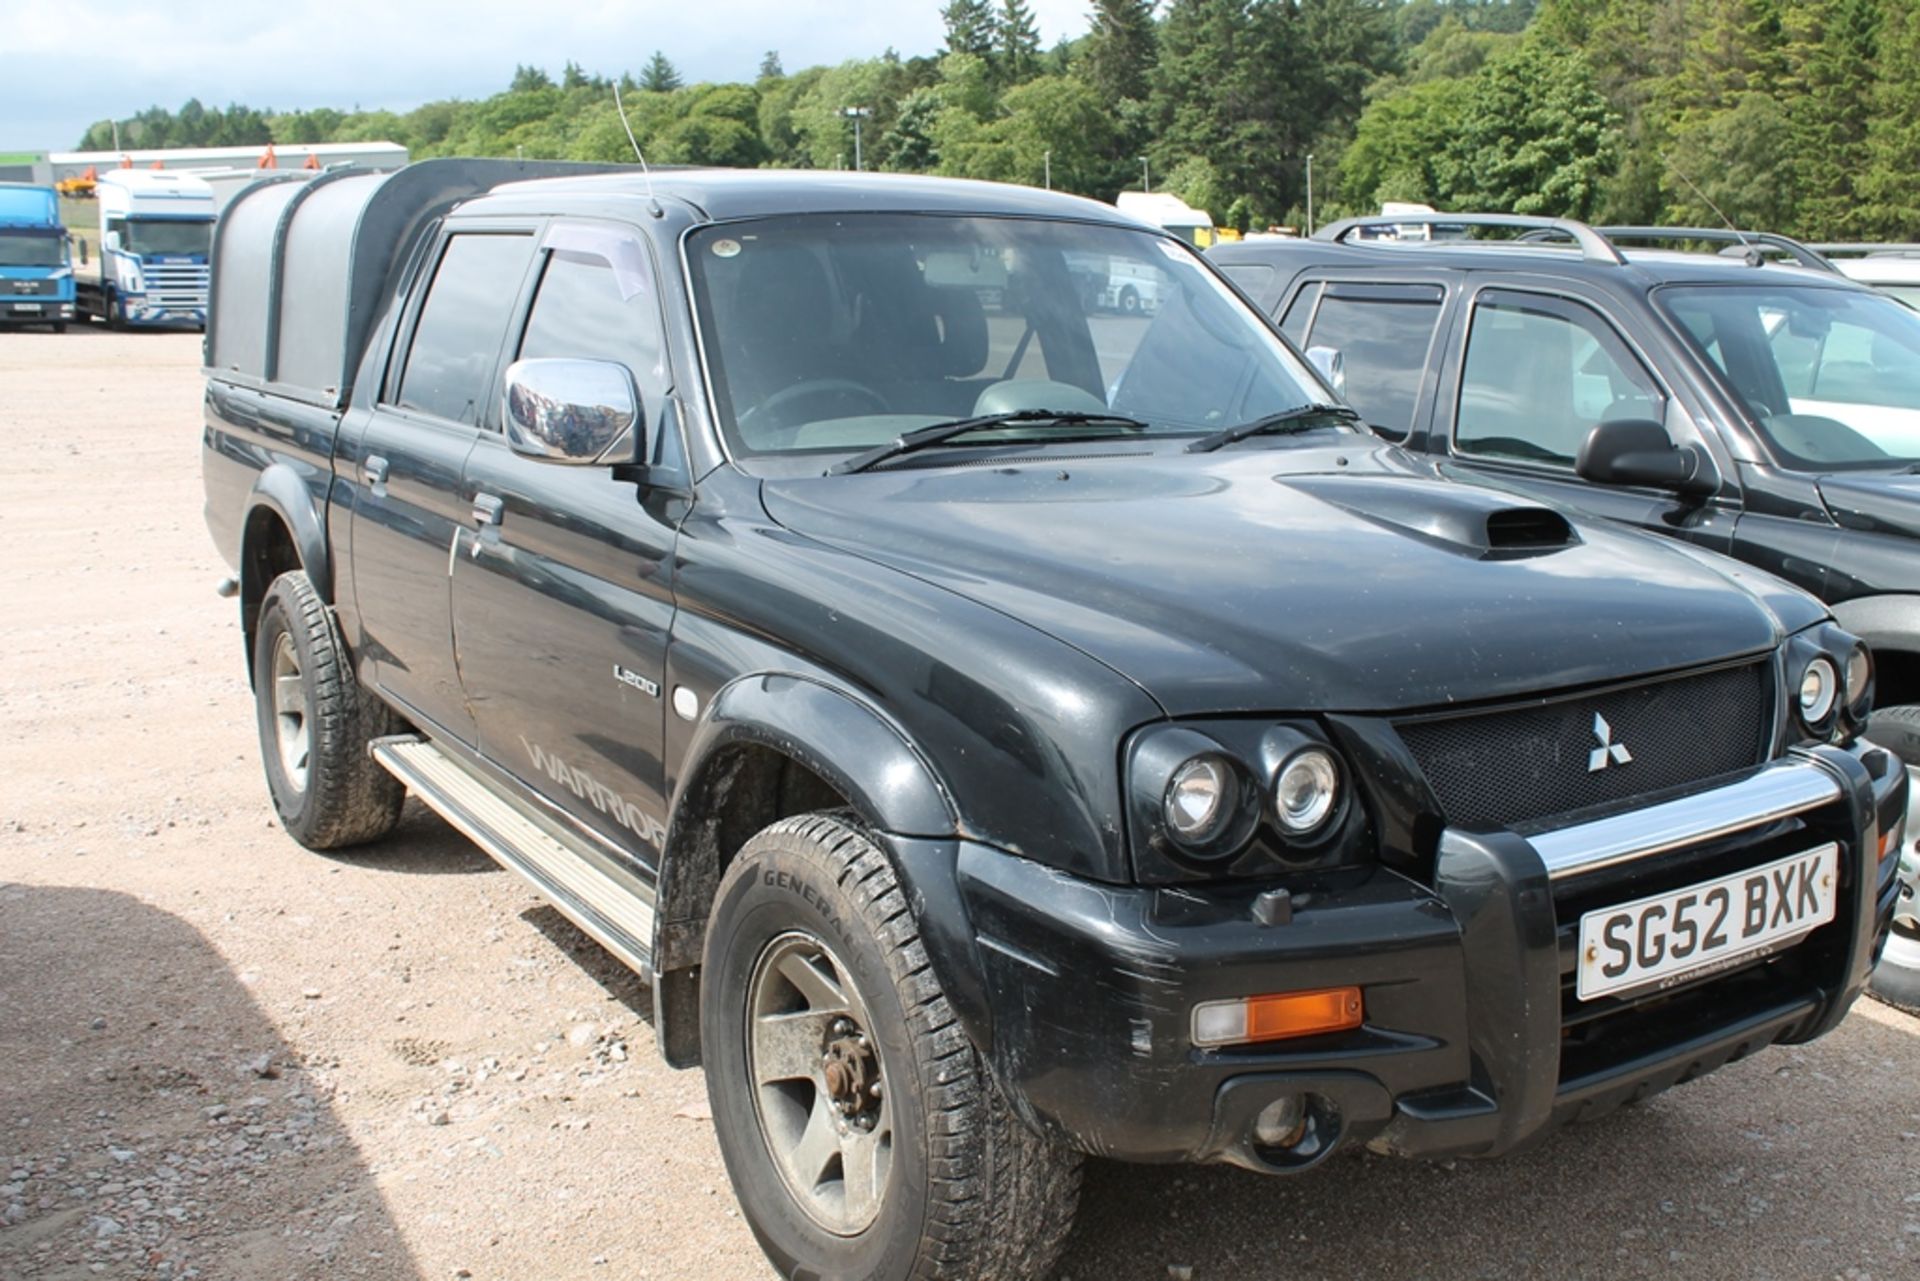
[1540,374]
[457,337]
[1384,334]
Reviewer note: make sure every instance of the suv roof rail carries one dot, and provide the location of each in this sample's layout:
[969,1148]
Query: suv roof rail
[1594,247]
[1802,254]
[1866,249]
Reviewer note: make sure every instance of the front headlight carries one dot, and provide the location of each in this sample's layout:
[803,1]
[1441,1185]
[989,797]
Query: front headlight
[1239,797]
[1829,683]
[1819,691]
[1200,799]
[1307,791]
[1859,681]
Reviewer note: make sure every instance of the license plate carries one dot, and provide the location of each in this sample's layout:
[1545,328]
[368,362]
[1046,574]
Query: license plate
[1669,939]
[26,306]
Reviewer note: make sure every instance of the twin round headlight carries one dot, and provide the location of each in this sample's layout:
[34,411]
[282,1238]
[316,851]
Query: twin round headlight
[1822,687]
[1204,796]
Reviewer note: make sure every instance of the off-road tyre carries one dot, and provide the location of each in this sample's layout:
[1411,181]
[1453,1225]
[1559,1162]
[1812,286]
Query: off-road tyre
[345,798]
[971,1193]
[1896,980]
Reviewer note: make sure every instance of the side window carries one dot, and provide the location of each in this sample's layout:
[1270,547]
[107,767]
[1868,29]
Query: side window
[1294,326]
[461,324]
[1539,374]
[1384,333]
[1253,278]
[596,301]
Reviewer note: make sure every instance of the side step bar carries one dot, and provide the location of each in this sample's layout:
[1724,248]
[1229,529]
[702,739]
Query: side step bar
[585,885]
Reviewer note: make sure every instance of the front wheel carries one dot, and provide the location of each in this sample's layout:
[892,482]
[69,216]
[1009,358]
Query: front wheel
[315,723]
[1896,980]
[861,1130]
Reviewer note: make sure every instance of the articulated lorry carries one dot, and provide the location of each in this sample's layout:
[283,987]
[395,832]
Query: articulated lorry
[154,231]
[36,275]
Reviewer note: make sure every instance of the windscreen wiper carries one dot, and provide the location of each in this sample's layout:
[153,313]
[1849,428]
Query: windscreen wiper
[1299,418]
[921,437]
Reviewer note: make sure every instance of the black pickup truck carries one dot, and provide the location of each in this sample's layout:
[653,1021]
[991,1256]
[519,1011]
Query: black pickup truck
[1002,730]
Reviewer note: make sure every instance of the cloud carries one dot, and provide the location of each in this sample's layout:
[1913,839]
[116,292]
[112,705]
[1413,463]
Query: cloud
[291,54]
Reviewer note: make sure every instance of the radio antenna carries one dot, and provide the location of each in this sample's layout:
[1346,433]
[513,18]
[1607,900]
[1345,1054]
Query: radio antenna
[1754,257]
[653,202]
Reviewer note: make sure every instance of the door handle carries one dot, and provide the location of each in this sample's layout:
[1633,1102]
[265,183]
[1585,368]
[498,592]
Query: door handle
[376,470]
[487,510]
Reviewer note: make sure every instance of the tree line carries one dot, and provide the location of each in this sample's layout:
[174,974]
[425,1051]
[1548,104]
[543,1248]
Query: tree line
[1791,115]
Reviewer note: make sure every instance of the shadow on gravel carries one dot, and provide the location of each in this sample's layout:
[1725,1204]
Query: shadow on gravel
[1800,1162]
[621,983]
[152,1123]
[423,845]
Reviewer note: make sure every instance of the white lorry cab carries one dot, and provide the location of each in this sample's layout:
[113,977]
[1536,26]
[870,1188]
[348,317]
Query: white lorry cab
[1164,209]
[154,232]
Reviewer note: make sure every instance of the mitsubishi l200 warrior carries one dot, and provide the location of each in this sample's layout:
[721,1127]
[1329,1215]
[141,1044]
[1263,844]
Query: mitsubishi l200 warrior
[1003,730]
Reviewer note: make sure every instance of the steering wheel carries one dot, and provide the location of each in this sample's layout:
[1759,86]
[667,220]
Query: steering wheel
[767,412]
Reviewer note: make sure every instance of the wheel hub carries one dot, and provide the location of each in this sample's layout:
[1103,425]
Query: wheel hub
[851,1072]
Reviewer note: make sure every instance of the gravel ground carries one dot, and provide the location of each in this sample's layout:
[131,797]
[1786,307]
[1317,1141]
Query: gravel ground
[224,1057]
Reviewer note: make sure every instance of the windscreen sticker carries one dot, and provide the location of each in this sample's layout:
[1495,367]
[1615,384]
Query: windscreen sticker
[726,249]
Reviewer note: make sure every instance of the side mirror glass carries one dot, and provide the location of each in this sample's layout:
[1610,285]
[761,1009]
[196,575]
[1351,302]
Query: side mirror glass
[1638,451]
[1332,366]
[110,242]
[577,412]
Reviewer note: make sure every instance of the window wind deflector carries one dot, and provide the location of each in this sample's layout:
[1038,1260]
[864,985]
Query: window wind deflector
[923,437]
[1299,418]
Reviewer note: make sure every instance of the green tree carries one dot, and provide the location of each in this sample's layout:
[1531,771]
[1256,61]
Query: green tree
[1117,59]
[528,79]
[659,75]
[1017,42]
[1400,149]
[1536,136]
[1890,187]
[970,27]
[770,68]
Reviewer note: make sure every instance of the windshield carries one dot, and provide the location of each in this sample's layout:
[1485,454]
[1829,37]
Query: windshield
[166,239]
[831,333]
[1832,376]
[32,249]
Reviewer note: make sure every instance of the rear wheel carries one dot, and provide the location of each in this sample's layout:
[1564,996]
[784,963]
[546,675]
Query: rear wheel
[1896,980]
[861,1130]
[315,723]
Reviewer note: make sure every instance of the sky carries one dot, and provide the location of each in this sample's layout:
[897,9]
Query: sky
[72,62]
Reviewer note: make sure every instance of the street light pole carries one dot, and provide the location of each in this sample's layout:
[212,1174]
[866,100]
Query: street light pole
[1047,161]
[1144,184]
[1309,193]
[857,114]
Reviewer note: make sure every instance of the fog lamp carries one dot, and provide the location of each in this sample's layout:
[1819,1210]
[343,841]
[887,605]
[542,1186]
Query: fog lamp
[1281,1123]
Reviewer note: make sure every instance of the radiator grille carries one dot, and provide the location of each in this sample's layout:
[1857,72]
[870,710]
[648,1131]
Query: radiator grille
[1507,766]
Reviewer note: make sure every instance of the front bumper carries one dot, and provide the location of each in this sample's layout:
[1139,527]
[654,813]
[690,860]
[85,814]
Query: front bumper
[1473,1041]
[35,311]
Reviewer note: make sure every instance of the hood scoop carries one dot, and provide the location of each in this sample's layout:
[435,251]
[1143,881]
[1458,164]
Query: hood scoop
[1480,523]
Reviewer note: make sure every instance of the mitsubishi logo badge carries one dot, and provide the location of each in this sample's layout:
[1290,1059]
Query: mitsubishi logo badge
[1609,752]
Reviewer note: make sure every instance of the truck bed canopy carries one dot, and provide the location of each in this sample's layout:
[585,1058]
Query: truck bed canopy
[302,266]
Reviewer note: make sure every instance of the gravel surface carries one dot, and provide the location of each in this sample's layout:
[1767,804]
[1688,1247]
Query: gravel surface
[224,1057]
